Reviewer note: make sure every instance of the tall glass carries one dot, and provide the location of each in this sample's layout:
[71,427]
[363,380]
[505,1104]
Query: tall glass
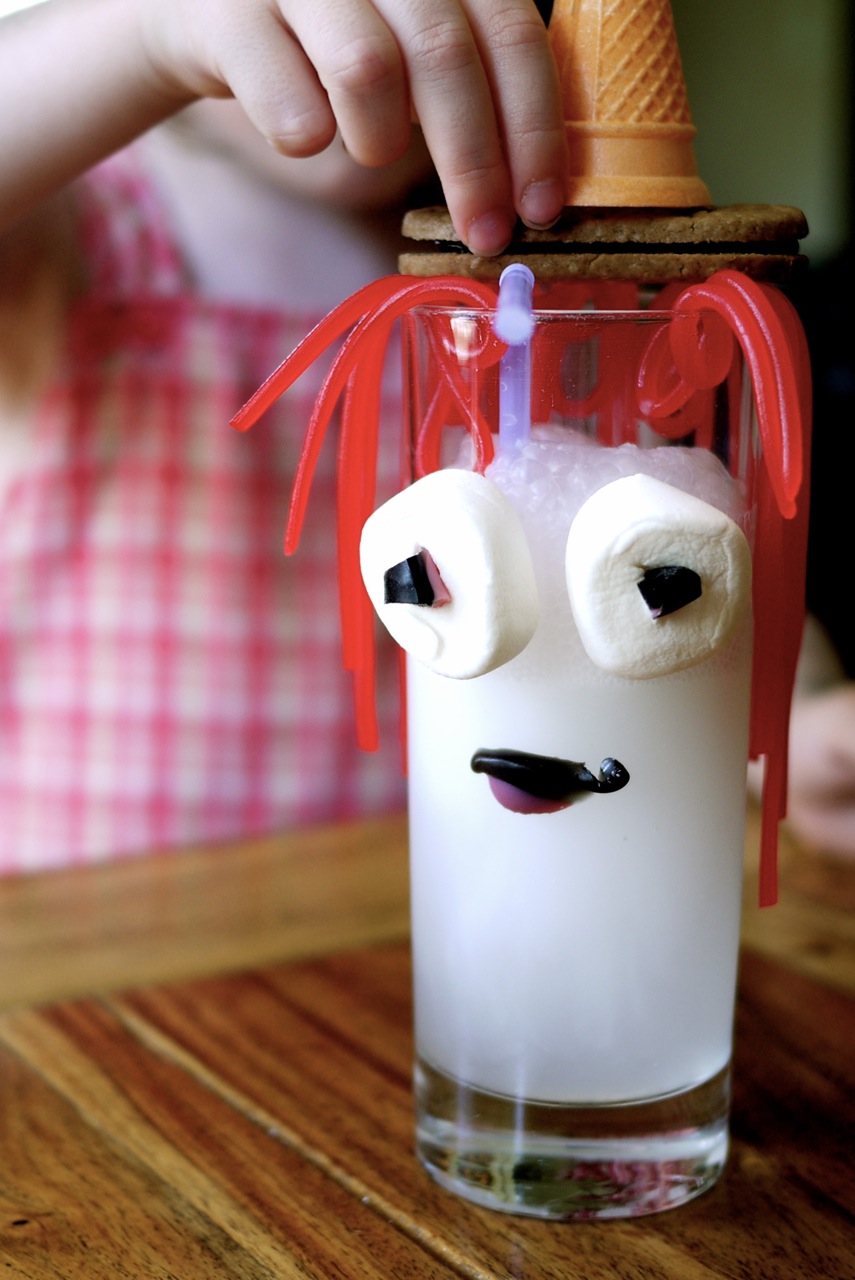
[575,967]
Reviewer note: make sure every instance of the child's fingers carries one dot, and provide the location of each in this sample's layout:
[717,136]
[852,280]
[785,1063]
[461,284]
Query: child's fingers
[360,66]
[259,59]
[452,98]
[477,74]
[485,91]
[525,89]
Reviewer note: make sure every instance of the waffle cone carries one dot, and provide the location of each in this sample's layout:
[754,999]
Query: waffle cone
[626,111]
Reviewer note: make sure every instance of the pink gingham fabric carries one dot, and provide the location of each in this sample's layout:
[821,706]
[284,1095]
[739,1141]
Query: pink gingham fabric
[167,677]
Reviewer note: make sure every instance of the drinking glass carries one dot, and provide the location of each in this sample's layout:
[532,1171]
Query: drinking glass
[575,963]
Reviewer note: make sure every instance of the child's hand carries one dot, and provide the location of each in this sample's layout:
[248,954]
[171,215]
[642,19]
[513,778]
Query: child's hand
[821,807]
[477,75]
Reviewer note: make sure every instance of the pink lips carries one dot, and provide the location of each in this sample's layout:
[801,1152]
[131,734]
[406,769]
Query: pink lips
[518,801]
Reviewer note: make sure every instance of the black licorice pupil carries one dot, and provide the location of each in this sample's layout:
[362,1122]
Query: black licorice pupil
[668,588]
[408,583]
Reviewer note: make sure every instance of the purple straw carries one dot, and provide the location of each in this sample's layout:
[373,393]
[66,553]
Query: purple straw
[513,323]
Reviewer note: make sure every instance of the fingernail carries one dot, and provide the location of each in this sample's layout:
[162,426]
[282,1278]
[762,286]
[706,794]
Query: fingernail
[490,234]
[542,204]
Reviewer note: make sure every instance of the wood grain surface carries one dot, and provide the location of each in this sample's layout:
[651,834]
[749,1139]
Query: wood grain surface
[261,1124]
[243,1108]
[228,908]
[216,909]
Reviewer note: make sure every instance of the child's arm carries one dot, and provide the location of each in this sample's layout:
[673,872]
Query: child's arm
[821,802]
[80,78]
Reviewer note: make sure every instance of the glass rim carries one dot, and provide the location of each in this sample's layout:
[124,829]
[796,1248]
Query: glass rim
[554,315]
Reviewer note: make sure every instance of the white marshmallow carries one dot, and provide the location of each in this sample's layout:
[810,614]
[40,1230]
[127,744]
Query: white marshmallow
[477,543]
[635,524]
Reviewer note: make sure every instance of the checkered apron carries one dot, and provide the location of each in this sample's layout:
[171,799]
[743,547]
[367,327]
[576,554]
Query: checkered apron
[167,677]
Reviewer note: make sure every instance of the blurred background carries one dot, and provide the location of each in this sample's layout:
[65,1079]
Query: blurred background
[770,90]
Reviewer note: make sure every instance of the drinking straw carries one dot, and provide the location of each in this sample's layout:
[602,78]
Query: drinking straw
[513,322]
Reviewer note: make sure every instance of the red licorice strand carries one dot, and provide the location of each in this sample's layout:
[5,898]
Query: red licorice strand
[358,641]
[365,336]
[798,346]
[474,417]
[359,368]
[771,681]
[429,439]
[736,389]
[358,344]
[356,483]
[370,328]
[324,334]
[766,587]
[702,345]
[772,408]
[626,360]
[693,357]
[702,421]
[705,436]
[359,431]
[439,290]
[613,364]
[656,398]
[773,694]
[322,411]
[459,391]
[542,388]
[367,339]
[434,291]
[466,395]
[356,488]
[479,431]
[785,622]
[774,348]
[780,557]
[485,449]
[365,704]
[349,585]
[766,345]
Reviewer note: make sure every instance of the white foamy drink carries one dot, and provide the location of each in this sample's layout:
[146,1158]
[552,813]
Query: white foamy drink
[587,954]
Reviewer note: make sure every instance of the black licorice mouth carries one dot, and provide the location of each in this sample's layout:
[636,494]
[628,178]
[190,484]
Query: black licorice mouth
[547,778]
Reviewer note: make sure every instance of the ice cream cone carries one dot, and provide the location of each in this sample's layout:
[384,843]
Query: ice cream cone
[626,110]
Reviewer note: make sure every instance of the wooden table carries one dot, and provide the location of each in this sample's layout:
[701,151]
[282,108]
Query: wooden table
[205,1067]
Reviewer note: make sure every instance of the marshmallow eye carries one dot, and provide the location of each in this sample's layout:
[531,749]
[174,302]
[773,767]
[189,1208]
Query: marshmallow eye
[448,570]
[658,579]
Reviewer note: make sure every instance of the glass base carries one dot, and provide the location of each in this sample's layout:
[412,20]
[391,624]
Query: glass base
[550,1160]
